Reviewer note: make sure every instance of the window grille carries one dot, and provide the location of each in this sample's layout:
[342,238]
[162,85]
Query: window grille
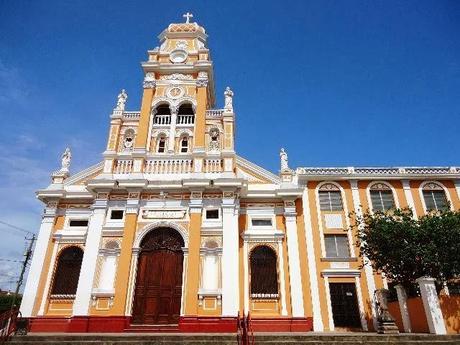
[382,200]
[435,200]
[337,246]
[67,271]
[264,276]
[330,201]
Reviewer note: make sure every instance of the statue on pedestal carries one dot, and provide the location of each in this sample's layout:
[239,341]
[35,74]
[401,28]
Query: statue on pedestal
[65,160]
[284,160]
[228,99]
[122,98]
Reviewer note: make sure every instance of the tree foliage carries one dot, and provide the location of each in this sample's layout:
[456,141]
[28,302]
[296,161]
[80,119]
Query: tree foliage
[404,248]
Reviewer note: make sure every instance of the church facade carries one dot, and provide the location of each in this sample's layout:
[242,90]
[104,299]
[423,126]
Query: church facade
[173,231]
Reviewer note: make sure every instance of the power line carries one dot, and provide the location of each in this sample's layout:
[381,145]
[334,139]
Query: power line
[9,260]
[16,227]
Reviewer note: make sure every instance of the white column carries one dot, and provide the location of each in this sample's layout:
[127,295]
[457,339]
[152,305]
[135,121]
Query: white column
[295,278]
[330,317]
[409,198]
[281,278]
[230,257]
[431,305]
[246,276]
[88,265]
[404,309]
[457,187]
[367,266]
[38,259]
[313,275]
[172,131]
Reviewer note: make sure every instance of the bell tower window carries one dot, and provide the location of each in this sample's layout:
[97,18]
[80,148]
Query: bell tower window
[185,115]
[161,144]
[162,115]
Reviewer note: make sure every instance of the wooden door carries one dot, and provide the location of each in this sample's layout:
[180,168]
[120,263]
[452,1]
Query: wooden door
[344,304]
[158,292]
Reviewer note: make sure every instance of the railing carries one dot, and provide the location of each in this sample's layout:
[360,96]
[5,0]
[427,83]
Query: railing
[131,115]
[214,113]
[168,166]
[123,166]
[245,335]
[212,165]
[162,120]
[8,324]
[185,119]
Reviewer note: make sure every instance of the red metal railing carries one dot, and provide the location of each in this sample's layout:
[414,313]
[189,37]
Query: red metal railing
[245,334]
[8,324]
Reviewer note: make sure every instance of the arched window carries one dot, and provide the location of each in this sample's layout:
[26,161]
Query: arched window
[162,115]
[184,144]
[330,198]
[185,115]
[67,271]
[434,197]
[264,276]
[381,197]
[161,144]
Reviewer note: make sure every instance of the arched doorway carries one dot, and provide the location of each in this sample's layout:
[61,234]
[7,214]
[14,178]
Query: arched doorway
[158,291]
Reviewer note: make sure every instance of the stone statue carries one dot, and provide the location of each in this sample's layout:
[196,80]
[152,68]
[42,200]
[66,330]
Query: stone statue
[122,97]
[284,160]
[65,160]
[228,99]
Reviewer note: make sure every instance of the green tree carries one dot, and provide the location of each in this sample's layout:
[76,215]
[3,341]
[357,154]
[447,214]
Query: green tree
[404,248]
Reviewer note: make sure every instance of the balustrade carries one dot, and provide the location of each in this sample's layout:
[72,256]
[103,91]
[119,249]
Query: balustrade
[168,166]
[162,120]
[185,119]
[123,166]
[212,165]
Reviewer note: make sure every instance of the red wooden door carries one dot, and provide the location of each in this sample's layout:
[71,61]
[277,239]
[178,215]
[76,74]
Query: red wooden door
[158,292]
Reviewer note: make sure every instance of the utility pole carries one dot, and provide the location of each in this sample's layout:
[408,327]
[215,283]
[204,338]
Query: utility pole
[25,262]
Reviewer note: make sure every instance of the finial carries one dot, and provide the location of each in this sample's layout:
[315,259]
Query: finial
[121,102]
[228,99]
[187,17]
[284,160]
[66,157]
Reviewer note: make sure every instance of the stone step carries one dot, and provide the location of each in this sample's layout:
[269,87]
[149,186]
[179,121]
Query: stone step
[230,339]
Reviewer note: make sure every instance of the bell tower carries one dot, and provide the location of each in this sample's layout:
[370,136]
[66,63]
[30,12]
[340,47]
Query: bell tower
[176,130]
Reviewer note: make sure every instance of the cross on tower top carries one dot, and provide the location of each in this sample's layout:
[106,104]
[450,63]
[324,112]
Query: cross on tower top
[187,17]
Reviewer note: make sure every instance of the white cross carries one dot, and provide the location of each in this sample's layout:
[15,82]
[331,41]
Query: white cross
[187,17]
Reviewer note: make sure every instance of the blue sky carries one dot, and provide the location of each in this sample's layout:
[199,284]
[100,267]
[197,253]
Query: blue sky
[337,83]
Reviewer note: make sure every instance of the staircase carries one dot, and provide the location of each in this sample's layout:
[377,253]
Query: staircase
[231,339]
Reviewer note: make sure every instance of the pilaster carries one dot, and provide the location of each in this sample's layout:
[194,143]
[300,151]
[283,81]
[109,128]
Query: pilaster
[38,259]
[142,131]
[200,116]
[88,267]
[124,261]
[193,255]
[295,277]
[409,197]
[367,266]
[230,255]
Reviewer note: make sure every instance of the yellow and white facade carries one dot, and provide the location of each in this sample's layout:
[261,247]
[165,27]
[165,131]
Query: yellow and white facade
[246,240]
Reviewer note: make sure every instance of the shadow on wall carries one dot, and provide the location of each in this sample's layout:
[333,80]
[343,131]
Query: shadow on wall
[450,306]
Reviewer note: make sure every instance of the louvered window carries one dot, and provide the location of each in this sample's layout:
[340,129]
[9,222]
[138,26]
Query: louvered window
[330,201]
[382,200]
[264,276]
[336,246]
[435,200]
[67,271]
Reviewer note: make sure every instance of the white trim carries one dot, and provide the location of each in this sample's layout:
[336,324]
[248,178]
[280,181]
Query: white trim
[368,194]
[84,174]
[457,187]
[329,304]
[431,305]
[311,259]
[403,308]
[409,197]
[246,276]
[359,296]
[282,278]
[367,266]
[160,224]
[440,184]
[49,277]
[251,167]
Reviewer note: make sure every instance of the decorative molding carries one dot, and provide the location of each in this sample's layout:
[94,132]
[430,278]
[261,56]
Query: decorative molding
[149,81]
